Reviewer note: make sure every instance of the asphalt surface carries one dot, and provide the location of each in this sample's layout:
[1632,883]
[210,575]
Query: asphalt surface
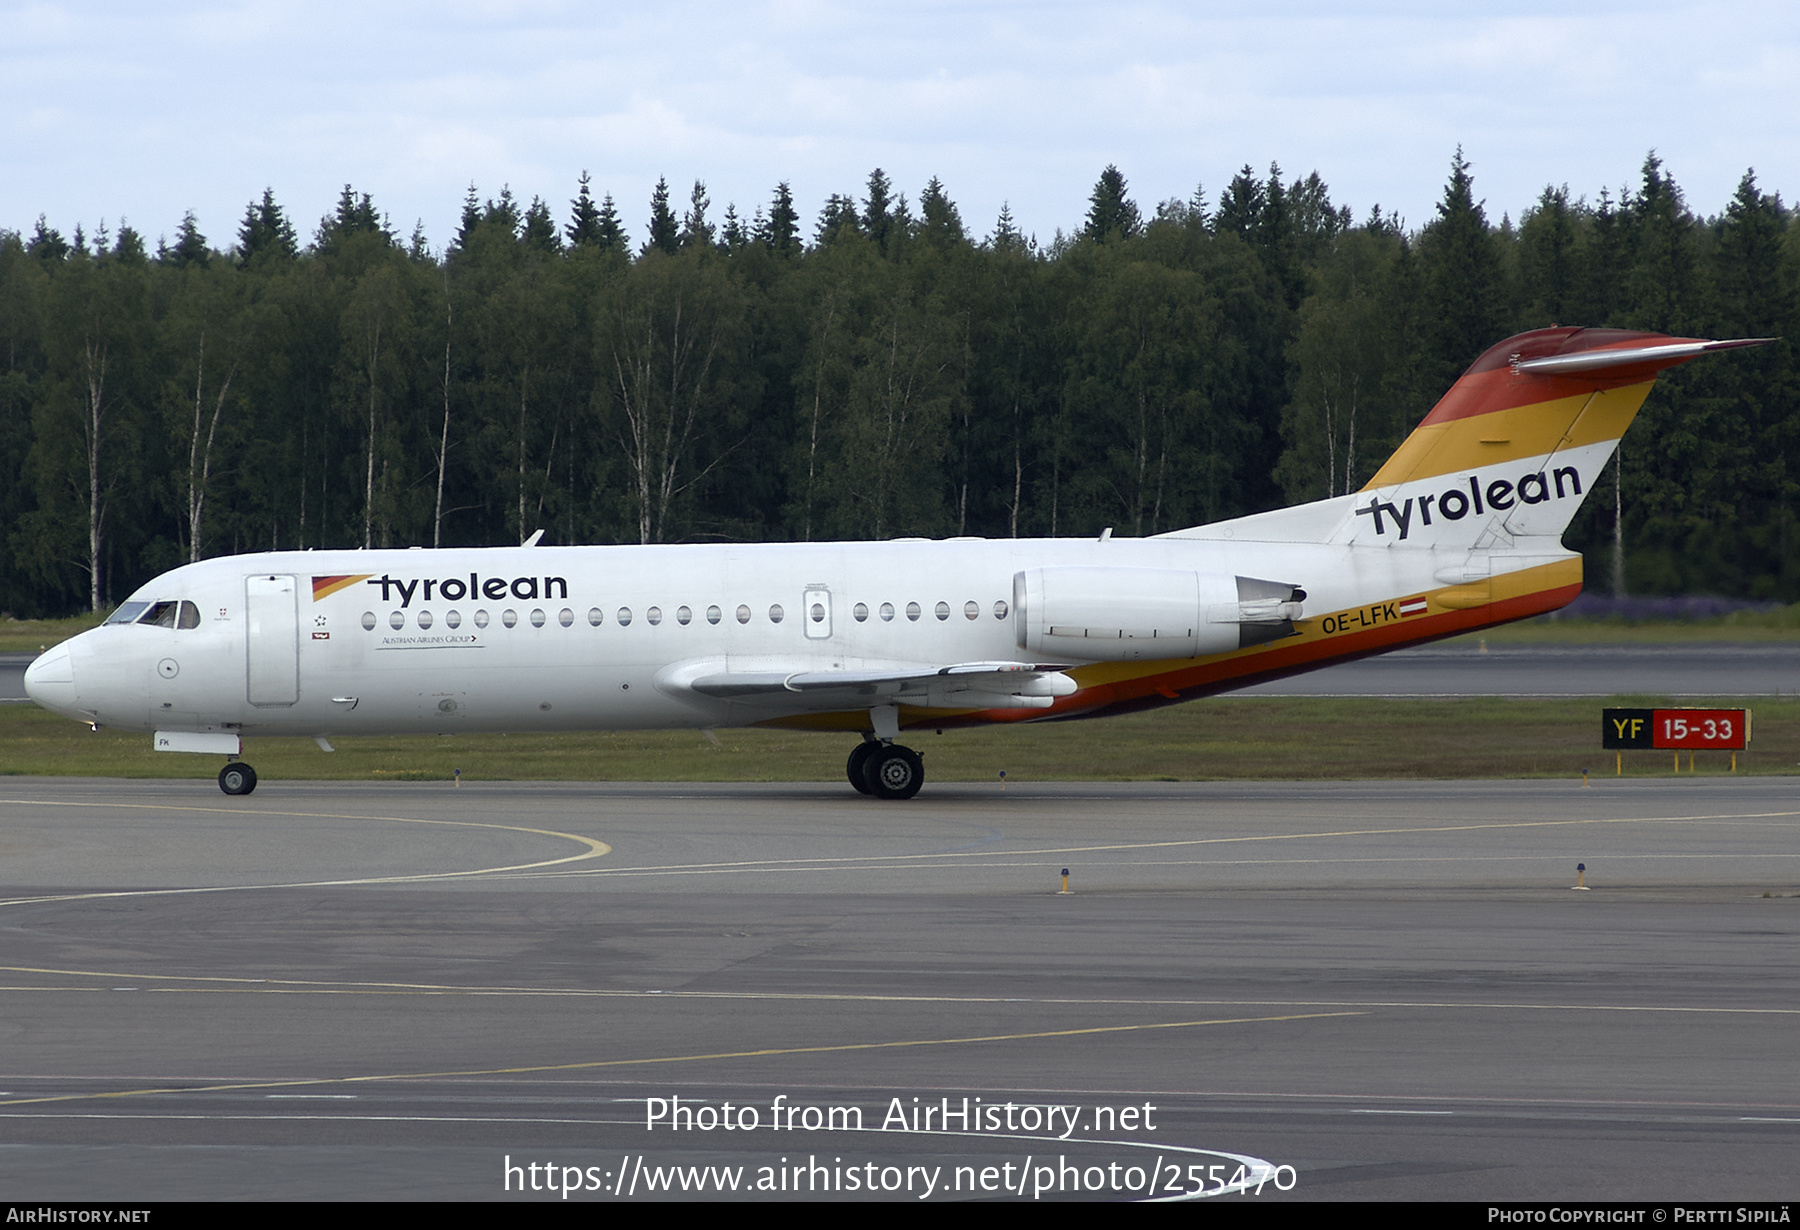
[1352,991]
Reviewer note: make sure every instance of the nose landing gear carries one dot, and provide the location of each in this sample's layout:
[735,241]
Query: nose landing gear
[237,778]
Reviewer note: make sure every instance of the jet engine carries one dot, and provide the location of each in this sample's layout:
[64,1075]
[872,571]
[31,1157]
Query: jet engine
[1127,614]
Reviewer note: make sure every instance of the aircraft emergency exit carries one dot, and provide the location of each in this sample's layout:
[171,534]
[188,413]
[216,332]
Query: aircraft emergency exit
[1460,529]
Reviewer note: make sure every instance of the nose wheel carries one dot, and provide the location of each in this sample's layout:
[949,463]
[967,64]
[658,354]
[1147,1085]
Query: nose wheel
[237,778]
[886,770]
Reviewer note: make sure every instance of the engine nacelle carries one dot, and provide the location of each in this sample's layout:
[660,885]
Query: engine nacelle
[1127,614]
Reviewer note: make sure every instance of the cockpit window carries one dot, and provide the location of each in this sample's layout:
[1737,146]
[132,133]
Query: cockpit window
[171,615]
[157,614]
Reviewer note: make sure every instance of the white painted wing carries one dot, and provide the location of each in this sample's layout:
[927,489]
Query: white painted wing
[963,685]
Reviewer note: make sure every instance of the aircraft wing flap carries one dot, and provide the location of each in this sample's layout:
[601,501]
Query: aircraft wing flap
[959,685]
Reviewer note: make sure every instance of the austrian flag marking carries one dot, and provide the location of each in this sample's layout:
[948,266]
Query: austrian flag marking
[1412,606]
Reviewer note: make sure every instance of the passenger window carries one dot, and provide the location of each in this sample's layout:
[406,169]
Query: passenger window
[624,617]
[566,617]
[537,618]
[424,619]
[887,612]
[861,612]
[684,616]
[943,611]
[743,614]
[481,619]
[971,609]
[368,621]
[776,613]
[714,615]
[509,618]
[912,611]
[654,615]
[452,619]
[595,616]
[396,620]
[1000,609]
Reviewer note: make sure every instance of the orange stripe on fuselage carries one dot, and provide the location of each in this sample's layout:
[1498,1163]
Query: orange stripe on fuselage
[1338,636]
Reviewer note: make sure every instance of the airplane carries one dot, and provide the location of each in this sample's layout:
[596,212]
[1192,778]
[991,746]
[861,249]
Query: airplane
[1460,529]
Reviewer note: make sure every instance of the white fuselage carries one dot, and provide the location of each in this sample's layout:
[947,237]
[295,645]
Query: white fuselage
[562,638]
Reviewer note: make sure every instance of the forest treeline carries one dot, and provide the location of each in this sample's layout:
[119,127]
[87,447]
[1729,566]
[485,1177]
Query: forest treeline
[881,371]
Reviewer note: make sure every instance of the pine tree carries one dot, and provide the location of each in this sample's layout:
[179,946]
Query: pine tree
[665,233]
[784,221]
[190,245]
[352,216]
[1316,223]
[1547,259]
[584,219]
[1111,214]
[1240,209]
[471,219]
[732,236]
[1197,207]
[940,223]
[1754,299]
[266,232]
[128,248]
[1663,280]
[1464,290]
[46,242]
[877,217]
[539,233]
[503,214]
[696,231]
[610,233]
[1006,234]
[839,217]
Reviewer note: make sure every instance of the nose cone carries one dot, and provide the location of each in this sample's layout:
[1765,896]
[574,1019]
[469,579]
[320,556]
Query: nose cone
[50,681]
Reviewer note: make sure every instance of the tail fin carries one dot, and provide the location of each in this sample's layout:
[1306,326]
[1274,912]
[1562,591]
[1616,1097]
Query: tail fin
[1512,448]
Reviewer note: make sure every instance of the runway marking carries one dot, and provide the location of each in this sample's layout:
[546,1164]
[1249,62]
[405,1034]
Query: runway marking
[890,860]
[588,1065]
[301,986]
[595,849]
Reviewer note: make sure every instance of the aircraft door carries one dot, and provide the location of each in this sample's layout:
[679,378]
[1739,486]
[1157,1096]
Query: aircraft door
[272,635]
[816,610]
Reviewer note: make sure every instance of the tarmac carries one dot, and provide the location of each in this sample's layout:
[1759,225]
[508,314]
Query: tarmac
[1319,991]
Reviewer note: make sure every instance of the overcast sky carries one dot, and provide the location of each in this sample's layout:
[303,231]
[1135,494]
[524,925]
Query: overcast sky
[148,110]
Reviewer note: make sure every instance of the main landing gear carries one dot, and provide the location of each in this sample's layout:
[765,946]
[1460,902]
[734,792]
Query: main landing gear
[885,770]
[237,778]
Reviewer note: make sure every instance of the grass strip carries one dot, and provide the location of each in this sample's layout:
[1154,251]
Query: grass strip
[1223,739]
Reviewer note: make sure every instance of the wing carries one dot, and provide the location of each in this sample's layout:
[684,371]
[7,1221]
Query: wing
[963,685]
